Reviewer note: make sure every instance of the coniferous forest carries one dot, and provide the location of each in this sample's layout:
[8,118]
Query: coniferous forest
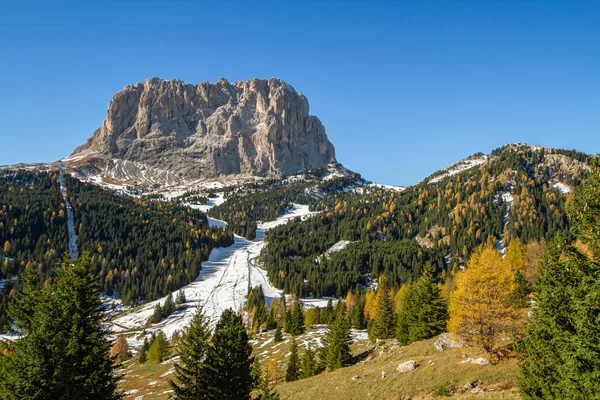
[139,249]
[449,219]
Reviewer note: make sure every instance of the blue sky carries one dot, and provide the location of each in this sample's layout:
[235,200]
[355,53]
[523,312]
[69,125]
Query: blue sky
[403,88]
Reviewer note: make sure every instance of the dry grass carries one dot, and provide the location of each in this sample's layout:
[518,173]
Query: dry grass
[438,373]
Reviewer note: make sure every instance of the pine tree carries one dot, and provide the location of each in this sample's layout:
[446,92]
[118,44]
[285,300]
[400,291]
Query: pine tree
[181,297]
[271,320]
[560,354]
[25,301]
[327,313]
[228,360]
[159,350]
[158,314]
[168,307]
[336,343]
[64,349]
[424,311]
[298,317]
[482,308]
[384,321]
[289,321]
[191,379]
[143,358]
[292,372]
[308,365]
[277,337]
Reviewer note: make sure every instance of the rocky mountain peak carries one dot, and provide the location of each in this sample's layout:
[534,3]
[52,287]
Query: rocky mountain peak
[256,127]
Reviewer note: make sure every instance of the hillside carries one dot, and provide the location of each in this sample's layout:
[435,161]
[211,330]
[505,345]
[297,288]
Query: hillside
[440,373]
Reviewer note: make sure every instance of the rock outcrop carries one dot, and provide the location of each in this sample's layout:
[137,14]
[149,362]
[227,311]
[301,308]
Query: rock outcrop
[184,131]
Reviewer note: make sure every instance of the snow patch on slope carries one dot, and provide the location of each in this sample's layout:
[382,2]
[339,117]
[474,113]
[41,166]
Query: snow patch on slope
[223,282]
[459,167]
[297,210]
[562,188]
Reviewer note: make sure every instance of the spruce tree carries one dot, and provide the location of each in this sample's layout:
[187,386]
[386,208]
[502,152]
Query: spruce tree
[336,343]
[191,380]
[143,358]
[292,372]
[308,365]
[384,326]
[228,359]
[560,354]
[158,314]
[277,337]
[298,317]
[25,301]
[64,351]
[168,307]
[424,311]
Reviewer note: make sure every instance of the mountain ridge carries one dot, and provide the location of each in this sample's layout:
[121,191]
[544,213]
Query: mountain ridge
[188,132]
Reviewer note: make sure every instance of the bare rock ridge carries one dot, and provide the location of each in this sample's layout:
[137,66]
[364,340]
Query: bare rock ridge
[171,131]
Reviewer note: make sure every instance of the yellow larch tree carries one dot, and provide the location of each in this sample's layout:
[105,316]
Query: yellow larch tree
[483,308]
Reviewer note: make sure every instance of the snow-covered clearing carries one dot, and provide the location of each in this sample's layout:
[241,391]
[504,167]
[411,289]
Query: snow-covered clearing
[562,188]
[338,246]
[310,302]
[459,167]
[222,283]
[212,202]
[387,187]
[73,252]
[297,210]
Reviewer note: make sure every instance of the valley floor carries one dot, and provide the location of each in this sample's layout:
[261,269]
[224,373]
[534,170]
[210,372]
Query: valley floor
[223,283]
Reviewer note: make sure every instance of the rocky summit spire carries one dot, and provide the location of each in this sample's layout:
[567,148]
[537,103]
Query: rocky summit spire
[184,131]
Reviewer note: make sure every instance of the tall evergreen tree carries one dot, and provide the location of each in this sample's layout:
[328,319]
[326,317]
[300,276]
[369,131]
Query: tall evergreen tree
[191,379]
[424,311]
[560,354]
[384,326]
[308,365]
[25,301]
[64,353]
[277,336]
[158,314]
[292,372]
[336,343]
[228,360]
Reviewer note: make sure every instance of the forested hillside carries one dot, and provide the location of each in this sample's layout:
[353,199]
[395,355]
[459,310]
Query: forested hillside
[520,192]
[267,200]
[33,227]
[140,249]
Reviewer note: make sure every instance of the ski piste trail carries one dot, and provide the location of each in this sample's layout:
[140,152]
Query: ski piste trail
[73,252]
[221,284]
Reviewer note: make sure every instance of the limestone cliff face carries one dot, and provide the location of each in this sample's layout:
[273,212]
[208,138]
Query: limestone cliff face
[257,127]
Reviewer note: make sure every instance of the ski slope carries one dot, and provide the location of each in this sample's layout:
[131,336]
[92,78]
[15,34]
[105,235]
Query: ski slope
[73,252]
[222,283]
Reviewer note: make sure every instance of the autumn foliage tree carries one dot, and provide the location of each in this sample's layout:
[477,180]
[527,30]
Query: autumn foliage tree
[482,308]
